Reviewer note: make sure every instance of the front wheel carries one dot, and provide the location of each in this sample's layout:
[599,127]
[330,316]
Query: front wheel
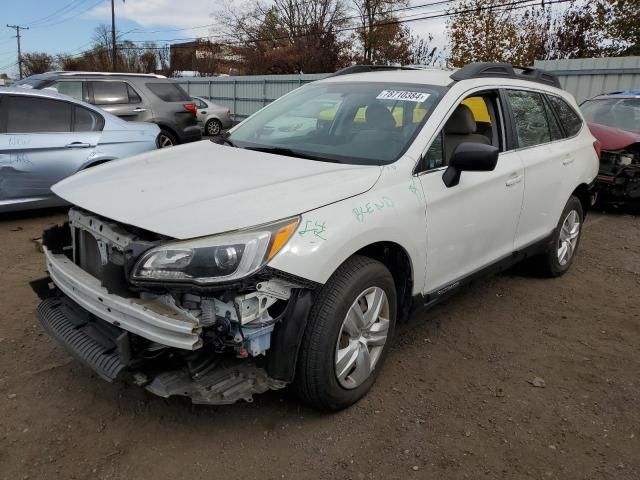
[566,238]
[348,335]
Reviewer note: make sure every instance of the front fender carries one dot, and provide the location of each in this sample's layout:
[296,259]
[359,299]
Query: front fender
[327,236]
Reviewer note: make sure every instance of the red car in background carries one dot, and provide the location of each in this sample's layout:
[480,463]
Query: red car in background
[614,119]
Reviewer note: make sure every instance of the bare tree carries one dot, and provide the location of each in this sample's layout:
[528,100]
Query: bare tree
[379,37]
[290,36]
[423,52]
[38,62]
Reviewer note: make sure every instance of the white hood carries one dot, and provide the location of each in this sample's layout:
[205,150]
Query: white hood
[203,188]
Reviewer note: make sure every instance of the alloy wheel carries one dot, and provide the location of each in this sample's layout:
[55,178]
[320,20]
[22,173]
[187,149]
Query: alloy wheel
[362,337]
[568,238]
[164,141]
[213,127]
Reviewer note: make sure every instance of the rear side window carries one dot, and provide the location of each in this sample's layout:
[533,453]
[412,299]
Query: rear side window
[168,91]
[554,127]
[71,88]
[569,119]
[108,93]
[87,121]
[529,117]
[37,115]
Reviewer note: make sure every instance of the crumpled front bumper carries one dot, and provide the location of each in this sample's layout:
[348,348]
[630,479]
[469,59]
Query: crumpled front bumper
[150,319]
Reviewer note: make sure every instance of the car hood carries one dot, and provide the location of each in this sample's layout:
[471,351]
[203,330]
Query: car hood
[203,188]
[613,138]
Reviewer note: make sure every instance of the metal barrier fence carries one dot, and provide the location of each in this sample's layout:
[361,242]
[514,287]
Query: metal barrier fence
[245,95]
[587,77]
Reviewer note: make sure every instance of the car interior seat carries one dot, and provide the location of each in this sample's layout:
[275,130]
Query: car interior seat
[460,128]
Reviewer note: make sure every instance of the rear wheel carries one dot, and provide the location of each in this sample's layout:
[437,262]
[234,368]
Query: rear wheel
[348,335]
[166,139]
[566,238]
[213,127]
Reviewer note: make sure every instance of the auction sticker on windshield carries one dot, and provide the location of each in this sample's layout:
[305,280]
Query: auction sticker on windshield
[418,97]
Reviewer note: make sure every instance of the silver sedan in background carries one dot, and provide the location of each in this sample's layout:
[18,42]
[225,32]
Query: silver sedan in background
[46,136]
[212,118]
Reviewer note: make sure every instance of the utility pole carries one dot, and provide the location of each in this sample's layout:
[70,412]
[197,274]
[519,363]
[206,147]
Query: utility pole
[114,55]
[18,28]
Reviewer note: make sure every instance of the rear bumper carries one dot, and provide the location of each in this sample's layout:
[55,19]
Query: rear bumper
[192,133]
[149,319]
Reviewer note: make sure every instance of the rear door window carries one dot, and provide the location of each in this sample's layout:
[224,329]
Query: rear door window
[168,91]
[109,92]
[72,88]
[569,119]
[37,115]
[530,118]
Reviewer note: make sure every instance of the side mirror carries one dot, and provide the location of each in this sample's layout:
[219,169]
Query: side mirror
[470,157]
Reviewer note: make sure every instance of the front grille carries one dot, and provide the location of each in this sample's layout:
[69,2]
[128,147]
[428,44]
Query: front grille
[88,253]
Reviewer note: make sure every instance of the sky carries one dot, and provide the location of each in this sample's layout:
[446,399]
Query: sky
[67,26]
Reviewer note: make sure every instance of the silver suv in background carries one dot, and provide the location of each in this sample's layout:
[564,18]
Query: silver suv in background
[137,97]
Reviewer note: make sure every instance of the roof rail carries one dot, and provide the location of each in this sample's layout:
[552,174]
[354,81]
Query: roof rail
[369,68]
[505,70]
[72,73]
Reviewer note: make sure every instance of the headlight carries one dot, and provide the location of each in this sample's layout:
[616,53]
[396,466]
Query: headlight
[214,259]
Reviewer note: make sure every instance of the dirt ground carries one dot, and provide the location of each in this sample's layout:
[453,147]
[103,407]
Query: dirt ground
[455,399]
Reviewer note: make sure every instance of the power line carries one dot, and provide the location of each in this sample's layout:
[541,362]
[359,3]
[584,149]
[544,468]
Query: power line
[67,8]
[18,28]
[66,19]
[516,5]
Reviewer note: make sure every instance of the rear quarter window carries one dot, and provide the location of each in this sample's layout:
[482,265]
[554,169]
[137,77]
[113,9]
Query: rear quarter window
[168,91]
[569,119]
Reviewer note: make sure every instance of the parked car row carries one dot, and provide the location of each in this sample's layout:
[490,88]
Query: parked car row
[56,124]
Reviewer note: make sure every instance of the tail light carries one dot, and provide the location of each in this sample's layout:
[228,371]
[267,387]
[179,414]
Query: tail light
[191,107]
[228,114]
[597,146]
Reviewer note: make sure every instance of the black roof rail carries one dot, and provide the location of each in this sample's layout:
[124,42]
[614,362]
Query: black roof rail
[369,68]
[505,70]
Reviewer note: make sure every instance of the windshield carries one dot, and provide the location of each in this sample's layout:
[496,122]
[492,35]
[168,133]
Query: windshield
[621,113]
[358,122]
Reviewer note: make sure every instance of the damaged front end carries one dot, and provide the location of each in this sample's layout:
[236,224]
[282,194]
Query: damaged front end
[166,330]
[618,180]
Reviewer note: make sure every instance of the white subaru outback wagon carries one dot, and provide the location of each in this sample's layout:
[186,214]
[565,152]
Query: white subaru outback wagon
[287,253]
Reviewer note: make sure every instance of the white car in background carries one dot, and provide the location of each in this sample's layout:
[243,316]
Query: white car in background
[217,271]
[46,137]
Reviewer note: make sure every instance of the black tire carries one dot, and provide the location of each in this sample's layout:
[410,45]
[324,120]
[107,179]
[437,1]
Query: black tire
[549,264]
[166,139]
[213,127]
[316,382]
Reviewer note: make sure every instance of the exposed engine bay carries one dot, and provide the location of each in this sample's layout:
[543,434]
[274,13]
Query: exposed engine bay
[618,179]
[214,344]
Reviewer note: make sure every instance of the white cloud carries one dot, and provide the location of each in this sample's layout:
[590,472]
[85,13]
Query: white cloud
[163,13]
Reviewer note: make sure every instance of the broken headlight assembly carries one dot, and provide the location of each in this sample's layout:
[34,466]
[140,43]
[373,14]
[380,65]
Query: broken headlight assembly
[219,258]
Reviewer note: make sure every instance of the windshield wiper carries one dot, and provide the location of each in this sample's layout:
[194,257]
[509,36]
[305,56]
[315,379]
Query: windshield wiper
[291,153]
[222,140]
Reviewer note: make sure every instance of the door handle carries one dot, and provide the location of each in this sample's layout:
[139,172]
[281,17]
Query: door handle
[77,145]
[139,110]
[514,180]
[568,160]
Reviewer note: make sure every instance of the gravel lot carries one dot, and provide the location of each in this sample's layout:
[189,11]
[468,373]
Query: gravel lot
[455,400]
